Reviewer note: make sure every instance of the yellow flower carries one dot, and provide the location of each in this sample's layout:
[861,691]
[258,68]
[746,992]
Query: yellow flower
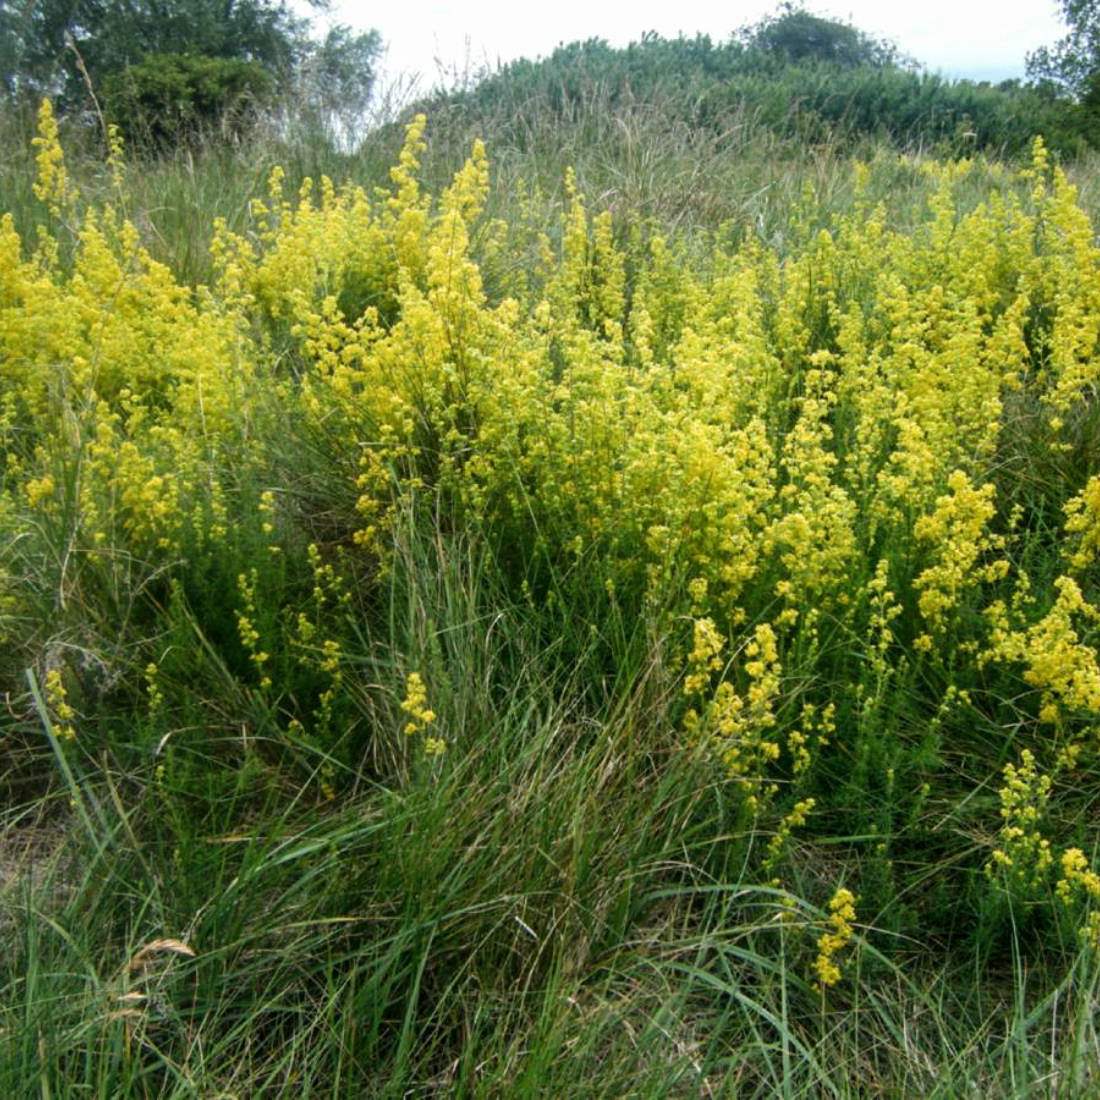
[415,704]
[60,708]
[52,184]
[842,915]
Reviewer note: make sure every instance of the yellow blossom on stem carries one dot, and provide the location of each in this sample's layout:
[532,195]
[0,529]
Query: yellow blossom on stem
[415,704]
[842,915]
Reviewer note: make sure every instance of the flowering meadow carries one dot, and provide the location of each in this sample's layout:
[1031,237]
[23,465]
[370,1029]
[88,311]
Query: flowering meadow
[458,651]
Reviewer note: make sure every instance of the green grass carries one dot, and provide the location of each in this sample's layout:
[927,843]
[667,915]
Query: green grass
[564,908]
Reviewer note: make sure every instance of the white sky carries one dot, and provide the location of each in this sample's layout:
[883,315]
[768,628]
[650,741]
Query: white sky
[982,39]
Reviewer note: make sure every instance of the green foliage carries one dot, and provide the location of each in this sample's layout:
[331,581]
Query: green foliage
[50,40]
[336,78]
[167,98]
[797,35]
[10,47]
[1072,64]
[909,109]
[852,93]
[221,60]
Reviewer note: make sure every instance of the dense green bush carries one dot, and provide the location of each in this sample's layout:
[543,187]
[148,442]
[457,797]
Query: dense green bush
[169,98]
[907,108]
[795,34]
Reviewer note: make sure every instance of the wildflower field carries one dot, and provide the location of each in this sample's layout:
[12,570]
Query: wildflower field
[488,646]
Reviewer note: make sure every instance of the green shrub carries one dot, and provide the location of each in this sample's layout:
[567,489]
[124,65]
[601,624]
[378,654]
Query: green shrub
[166,99]
[795,34]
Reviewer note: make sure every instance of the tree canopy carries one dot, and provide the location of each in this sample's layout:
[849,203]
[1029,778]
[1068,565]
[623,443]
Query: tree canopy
[56,47]
[794,34]
[1072,64]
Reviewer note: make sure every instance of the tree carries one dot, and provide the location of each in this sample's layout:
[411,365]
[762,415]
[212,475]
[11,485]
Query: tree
[336,78]
[1072,65]
[794,34]
[12,42]
[45,44]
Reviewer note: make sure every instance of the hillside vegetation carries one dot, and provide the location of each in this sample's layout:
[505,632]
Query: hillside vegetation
[816,94]
[606,610]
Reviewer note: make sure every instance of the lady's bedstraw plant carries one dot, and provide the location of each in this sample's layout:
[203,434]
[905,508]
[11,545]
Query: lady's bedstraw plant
[1057,660]
[836,938]
[61,710]
[247,630]
[1083,527]
[1079,887]
[956,533]
[734,726]
[795,818]
[1023,854]
[52,186]
[420,716]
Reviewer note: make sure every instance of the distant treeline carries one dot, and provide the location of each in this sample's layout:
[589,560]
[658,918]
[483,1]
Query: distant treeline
[811,91]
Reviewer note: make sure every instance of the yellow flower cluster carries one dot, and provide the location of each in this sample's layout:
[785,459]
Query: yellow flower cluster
[842,915]
[815,728]
[956,530]
[795,818]
[415,705]
[735,726]
[1083,526]
[246,628]
[1059,663]
[52,184]
[704,658]
[1080,882]
[884,610]
[315,650]
[1024,853]
[153,691]
[61,710]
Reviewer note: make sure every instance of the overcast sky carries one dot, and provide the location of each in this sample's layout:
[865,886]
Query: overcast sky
[982,39]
